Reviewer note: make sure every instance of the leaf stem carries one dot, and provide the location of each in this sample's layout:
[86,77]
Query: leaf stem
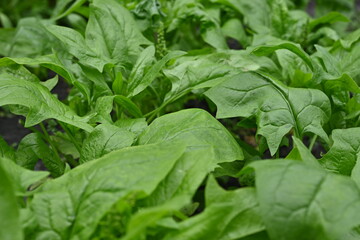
[48,139]
[67,131]
[312,143]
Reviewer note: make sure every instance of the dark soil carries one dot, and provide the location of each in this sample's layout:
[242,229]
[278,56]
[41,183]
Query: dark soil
[11,129]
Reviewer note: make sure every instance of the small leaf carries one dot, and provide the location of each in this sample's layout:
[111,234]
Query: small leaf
[118,84]
[139,82]
[129,105]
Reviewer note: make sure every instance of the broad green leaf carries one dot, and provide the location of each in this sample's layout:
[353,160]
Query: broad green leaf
[194,74]
[277,108]
[31,39]
[40,102]
[112,33]
[136,126]
[10,226]
[32,148]
[103,139]
[186,176]
[144,61]
[228,215]
[21,178]
[295,199]
[48,61]
[92,188]
[342,156]
[75,44]
[195,127]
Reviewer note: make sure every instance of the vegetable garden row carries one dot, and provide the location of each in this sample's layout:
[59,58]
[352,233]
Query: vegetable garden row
[180,119]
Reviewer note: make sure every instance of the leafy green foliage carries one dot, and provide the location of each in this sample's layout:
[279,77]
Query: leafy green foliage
[8,207]
[183,119]
[277,108]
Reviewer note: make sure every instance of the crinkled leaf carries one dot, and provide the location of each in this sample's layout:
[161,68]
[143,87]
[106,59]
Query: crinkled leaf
[103,139]
[112,33]
[75,44]
[277,108]
[31,39]
[342,156]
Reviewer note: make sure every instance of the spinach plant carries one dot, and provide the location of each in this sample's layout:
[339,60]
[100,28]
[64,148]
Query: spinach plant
[182,119]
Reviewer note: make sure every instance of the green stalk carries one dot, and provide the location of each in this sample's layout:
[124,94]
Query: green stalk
[48,139]
[74,141]
[313,140]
